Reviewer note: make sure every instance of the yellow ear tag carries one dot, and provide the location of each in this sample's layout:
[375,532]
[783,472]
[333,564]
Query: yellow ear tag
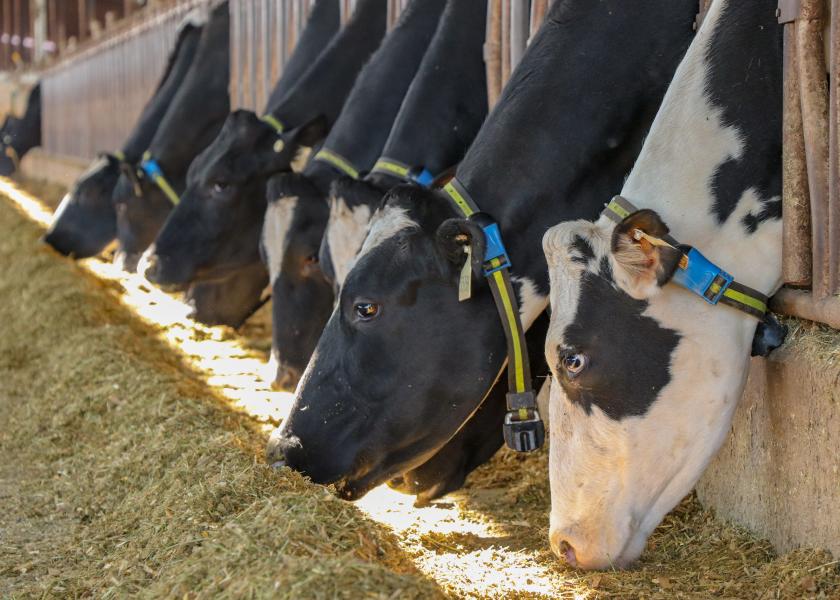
[279,145]
[465,282]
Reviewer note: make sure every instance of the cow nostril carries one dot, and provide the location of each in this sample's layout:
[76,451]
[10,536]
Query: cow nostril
[567,552]
[275,454]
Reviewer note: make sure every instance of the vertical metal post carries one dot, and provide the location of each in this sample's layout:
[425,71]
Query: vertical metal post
[539,8]
[506,41]
[38,14]
[813,91]
[834,153]
[519,28]
[796,206]
[493,51]
[83,19]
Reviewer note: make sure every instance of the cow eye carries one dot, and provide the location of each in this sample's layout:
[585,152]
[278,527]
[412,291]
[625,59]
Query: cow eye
[574,363]
[312,259]
[366,310]
[220,187]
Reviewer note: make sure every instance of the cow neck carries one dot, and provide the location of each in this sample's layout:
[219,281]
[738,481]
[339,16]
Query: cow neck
[179,64]
[324,87]
[322,24]
[199,108]
[446,103]
[28,128]
[362,129]
[543,156]
[729,182]
[321,174]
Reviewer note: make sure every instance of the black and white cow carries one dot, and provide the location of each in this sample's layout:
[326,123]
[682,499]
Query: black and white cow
[298,209]
[21,135]
[399,346]
[86,221]
[216,228]
[192,120]
[649,373]
[438,120]
[440,116]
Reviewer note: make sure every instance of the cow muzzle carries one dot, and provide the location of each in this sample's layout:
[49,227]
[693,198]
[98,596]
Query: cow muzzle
[278,444]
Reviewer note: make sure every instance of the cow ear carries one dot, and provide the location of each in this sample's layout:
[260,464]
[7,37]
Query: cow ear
[644,261]
[453,238]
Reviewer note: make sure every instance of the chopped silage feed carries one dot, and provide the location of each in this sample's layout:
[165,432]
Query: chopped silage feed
[130,464]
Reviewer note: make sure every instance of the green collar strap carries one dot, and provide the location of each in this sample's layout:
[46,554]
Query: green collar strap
[335,160]
[395,168]
[276,123]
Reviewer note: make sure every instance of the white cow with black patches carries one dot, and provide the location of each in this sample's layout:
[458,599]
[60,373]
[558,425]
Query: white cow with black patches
[649,373]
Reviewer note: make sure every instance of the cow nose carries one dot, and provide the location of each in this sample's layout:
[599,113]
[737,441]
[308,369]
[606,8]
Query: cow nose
[152,265]
[287,378]
[275,450]
[563,549]
[58,241]
[127,261]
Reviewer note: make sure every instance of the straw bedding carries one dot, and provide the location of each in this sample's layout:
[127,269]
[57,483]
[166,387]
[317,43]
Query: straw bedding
[123,473]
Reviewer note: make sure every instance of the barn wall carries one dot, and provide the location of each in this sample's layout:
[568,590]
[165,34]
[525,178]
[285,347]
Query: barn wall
[778,473]
[92,99]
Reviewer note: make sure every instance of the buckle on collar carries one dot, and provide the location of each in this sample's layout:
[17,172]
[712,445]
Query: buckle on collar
[423,177]
[523,429]
[151,167]
[495,254]
[703,277]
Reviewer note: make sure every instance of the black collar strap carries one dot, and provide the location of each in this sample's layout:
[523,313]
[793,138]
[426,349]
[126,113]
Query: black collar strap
[523,429]
[697,273]
[338,162]
[395,168]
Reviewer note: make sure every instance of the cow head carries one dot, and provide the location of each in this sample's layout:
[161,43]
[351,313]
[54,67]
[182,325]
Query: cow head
[399,410]
[649,375]
[215,228]
[21,135]
[9,157]
[85,222]
[229,301]
[141,208]
[302,297]
[352,203]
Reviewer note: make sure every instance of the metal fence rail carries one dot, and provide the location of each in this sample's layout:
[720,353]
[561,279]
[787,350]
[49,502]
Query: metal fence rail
[92,99]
